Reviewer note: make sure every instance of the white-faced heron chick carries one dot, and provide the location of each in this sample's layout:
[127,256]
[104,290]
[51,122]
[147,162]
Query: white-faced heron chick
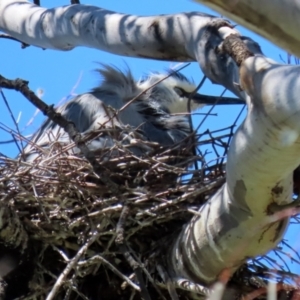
[154,111]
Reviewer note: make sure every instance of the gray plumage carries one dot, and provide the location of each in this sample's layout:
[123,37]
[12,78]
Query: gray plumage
[153,112]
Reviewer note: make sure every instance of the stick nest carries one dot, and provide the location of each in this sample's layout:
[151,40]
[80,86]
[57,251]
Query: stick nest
[63,221]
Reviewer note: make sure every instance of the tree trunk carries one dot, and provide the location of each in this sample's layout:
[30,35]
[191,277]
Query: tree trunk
[237,222]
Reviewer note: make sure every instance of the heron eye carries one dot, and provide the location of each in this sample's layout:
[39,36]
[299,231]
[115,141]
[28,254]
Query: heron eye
[179,91]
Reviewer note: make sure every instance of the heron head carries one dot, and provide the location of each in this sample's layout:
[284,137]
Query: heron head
[172,92]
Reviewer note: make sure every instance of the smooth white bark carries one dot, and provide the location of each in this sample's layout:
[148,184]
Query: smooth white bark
[178,37]
[63,28]
[276,20]
[235,224]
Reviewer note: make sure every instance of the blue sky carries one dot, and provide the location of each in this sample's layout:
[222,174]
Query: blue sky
[57,73]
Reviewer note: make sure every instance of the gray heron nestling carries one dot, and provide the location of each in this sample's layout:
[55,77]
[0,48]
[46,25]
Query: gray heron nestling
[159,110]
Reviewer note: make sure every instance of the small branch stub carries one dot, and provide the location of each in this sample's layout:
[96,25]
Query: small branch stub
[234,46]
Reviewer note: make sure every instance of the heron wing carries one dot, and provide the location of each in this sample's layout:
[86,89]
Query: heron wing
[89,114]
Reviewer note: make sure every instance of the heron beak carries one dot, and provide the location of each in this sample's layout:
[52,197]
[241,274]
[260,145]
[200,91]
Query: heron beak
[214,100]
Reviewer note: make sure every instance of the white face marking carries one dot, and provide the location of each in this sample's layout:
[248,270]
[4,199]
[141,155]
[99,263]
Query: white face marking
[172,82]
[179,103]
[182,106]
[169,98]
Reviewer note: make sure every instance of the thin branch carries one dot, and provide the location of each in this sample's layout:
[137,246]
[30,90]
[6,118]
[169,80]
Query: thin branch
[120,241]
[13,118]
[194,150]
[7,36]
[150,87]
[71,265]
[111,267]
[22,86]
